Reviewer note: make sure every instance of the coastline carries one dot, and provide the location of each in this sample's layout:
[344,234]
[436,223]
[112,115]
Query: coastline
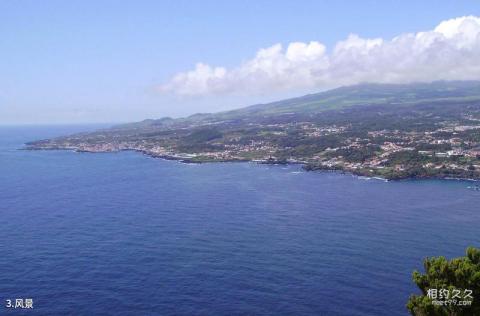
[305,166]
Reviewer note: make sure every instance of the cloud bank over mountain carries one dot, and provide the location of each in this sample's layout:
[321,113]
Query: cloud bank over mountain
[451,51]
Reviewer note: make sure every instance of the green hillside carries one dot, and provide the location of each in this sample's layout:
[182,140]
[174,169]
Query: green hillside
[391,131]
[340,98]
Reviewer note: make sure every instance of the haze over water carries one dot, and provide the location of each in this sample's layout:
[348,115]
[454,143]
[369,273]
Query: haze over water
[125,234]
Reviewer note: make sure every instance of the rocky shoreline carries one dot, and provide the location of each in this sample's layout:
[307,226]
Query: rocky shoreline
[305,165]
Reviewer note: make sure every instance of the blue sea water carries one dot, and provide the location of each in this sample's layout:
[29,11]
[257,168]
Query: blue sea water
[125,234]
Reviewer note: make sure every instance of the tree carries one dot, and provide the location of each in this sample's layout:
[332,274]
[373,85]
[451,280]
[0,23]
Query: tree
[457,276]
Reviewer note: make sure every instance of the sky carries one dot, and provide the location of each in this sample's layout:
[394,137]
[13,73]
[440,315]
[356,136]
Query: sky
[73,62]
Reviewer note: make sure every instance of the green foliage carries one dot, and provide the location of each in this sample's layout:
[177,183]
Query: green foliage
[457,274]
[410,157]
[203,135]
[358,154]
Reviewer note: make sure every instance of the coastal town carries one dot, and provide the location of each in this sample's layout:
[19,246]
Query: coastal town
[447,147]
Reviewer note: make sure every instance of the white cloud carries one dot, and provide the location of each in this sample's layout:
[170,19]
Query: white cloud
[449,52]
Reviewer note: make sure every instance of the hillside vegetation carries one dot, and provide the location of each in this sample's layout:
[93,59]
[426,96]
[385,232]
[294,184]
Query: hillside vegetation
[392,131]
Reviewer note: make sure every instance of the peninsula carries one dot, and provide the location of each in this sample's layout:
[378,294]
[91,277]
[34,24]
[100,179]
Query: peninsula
[421,130]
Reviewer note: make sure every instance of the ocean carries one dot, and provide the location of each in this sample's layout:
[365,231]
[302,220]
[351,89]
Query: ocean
[126,234]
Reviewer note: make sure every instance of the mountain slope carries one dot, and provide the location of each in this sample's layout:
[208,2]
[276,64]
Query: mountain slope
[336,99]
[392,131]
[367,94]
